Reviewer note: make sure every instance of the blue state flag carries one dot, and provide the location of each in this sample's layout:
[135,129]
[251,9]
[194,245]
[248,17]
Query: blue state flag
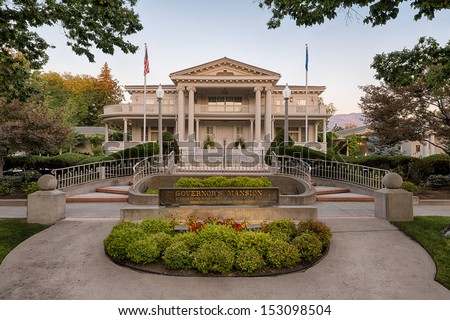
[306,62]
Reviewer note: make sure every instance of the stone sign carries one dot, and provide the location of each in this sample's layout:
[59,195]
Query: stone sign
[219,196]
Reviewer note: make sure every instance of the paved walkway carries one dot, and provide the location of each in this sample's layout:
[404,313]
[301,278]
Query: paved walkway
[368,259]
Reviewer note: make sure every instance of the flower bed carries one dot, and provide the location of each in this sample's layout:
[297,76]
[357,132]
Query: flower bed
[217,247]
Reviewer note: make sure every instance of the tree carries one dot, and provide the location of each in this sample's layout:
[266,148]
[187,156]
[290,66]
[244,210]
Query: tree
[85,23]
[108,92]
[311,12]
[29,127]
[413,103]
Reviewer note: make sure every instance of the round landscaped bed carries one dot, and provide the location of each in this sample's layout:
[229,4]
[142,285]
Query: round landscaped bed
[217,248]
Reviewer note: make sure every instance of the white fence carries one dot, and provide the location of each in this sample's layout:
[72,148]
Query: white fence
[76,175]
[139,168]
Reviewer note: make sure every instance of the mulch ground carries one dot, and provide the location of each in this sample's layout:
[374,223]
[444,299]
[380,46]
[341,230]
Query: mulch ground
[434,193]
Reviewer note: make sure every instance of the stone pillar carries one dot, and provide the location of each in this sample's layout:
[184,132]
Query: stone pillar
[393,203]
[258,114]
[268,116]
[191,113]
[48,205]
[181,115]
[324,134]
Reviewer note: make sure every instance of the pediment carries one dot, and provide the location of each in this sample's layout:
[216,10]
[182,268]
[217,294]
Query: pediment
[226,68]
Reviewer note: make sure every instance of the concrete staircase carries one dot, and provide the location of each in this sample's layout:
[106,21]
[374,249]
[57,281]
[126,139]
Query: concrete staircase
[120,194]
[107,194]
[337,194]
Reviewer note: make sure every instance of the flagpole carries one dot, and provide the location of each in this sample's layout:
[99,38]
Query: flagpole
[306,97]
[145,93]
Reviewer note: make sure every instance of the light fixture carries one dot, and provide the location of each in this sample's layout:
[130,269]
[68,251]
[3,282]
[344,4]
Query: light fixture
[286,92]
[160,96]
[286,96]
[159,92]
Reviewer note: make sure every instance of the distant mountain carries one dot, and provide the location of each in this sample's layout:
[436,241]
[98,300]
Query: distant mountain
[342,120]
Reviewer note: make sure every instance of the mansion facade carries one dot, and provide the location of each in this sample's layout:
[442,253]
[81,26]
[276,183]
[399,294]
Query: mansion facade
[222,101]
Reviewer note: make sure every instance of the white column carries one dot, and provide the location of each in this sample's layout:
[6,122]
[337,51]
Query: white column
[251,130]
[197,130]
[324,133]
[258,114]
[106,133]
[191,112]
[180,120]
[268,116]
[125,129]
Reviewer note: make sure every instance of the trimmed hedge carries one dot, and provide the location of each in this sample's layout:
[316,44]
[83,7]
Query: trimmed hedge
[222,182]
[140,151]
[217,246]
[415,170]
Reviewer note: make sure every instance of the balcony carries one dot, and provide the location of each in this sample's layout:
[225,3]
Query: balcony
[152,109]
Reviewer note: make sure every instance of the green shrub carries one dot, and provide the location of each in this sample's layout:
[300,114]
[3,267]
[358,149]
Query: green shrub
[162,240]
[439,181]
[249,261]
[31,187]
[189,183]
[223,182]
[6,188]
[66,160]
[259,241]
[143,251]
[277,227]
[155,225]
[308,245]
[140,151]
[152,191]
[215,256]
[192,240]
[178,256]
[95,159]
[409,186]
[214,182]
[122,235]
[322,231]
[282,254]
[220,232]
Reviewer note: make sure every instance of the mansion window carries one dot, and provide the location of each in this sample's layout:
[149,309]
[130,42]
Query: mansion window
[210,131]
[222,101]
[225,104]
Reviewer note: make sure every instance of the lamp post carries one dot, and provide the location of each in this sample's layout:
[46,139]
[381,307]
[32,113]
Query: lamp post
[286,96]
[159,97]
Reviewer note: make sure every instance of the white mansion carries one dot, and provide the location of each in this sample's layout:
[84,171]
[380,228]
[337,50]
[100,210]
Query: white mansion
[223,100]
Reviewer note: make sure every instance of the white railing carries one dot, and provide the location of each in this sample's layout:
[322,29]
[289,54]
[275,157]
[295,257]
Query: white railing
[153,165]
[291,166]
[230,161]
[77,175]
[348,172]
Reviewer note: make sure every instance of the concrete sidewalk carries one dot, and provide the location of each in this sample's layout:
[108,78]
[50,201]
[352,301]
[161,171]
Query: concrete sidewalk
[325,209]
[368,259]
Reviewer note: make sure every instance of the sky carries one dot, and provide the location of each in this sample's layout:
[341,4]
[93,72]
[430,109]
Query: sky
[182,34]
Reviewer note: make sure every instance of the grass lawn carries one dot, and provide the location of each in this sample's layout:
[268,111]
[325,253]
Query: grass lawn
[426,231]
[13,232]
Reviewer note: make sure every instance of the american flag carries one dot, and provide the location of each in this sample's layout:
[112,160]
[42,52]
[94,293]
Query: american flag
[146,64]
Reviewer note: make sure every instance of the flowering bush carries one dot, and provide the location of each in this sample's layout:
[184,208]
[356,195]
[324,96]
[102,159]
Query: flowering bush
[217,245]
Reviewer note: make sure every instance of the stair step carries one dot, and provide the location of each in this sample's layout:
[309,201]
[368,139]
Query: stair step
[114,190]
[331,190]
[98,197]
[344,197]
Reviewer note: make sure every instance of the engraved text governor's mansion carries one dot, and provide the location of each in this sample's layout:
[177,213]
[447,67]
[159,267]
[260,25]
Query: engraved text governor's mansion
[222,101]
